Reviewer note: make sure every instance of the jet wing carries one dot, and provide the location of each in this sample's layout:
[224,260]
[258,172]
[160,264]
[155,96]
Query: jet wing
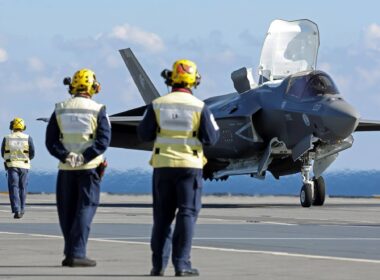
[368,125]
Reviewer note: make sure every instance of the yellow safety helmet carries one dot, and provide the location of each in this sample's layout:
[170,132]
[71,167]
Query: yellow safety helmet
[84,80]
[185,73]
[17,124]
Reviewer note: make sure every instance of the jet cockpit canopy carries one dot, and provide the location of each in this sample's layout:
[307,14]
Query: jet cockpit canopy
[289,47]
[310,84]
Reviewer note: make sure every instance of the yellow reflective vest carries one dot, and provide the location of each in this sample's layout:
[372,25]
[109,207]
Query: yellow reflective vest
[77,121]
[16,152]
[178,116]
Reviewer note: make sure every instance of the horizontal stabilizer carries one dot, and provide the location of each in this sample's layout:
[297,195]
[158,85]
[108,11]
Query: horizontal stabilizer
[144,84]
[43,119]
[368,125]
[124,130]
[130,117]
[127,120]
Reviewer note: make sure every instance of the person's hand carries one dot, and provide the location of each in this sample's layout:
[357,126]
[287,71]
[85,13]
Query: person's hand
[79,160]
[71,159]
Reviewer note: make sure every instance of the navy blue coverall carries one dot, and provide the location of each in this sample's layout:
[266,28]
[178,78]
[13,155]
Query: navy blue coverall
[175,188]
[78,191]
[18,181]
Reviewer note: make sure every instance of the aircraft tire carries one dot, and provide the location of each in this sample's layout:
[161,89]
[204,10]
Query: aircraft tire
[306,197]
[319,191]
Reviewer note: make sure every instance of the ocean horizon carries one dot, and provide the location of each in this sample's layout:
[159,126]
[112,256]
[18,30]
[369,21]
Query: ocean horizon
[136,181]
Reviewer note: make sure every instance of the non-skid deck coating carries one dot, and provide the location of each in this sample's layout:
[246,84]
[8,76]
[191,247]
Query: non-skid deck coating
[236,238]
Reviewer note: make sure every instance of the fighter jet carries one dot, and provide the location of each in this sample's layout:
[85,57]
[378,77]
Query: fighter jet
[292,120]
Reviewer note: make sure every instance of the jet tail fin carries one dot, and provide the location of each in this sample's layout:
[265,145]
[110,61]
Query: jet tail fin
[144,84]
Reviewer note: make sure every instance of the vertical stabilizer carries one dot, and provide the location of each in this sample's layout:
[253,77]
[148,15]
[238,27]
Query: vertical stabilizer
[141,79]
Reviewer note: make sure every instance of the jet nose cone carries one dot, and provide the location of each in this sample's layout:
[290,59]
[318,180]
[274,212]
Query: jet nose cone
[340,119]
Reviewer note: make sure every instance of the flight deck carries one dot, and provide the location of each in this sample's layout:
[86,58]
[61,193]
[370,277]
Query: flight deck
[237,237]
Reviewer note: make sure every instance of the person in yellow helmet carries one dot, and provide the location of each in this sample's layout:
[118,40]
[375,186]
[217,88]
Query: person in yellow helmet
[78,134]
[179,124]
[17,150]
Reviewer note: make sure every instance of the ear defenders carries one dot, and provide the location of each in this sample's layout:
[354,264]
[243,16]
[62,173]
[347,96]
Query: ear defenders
[197,80]
[67,82]
[167,75]
[95,87]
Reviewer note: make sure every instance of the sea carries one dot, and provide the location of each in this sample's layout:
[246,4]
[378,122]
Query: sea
[345,183]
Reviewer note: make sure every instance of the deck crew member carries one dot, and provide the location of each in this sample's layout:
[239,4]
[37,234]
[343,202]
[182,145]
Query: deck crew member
[17,150]
[78,134]
[179,123]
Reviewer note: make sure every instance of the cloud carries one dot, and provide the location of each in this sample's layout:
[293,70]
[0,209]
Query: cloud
[40,84]
[46,83]
[369,75]
[35,64]
[113,61]
[372,37]
[77,46]
[150,41]
[325,66]
[3,55]
[249,39]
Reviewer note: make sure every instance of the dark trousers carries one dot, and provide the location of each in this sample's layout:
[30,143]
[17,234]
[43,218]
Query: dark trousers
[78,194]
[174,188]
[17,186]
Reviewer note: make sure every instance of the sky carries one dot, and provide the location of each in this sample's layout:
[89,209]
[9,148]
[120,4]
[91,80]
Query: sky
[43,41]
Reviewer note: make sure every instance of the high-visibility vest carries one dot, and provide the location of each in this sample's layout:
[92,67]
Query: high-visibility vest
[77,119]
[178,116]
[16,152]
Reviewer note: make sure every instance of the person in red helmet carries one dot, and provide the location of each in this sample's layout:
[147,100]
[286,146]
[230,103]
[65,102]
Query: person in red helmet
[180,124]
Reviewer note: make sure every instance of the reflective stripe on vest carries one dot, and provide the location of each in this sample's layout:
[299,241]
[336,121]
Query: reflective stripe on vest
[16,152]
[178,141]
[178,117]
[77,119]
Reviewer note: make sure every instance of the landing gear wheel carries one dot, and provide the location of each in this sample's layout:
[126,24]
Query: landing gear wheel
[319,191]
[306,196]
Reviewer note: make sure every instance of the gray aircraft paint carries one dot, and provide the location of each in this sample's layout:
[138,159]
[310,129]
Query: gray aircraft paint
[283,126]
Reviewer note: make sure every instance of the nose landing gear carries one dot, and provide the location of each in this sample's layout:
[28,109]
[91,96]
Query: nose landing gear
[313,191]
[306,194]
[319,191]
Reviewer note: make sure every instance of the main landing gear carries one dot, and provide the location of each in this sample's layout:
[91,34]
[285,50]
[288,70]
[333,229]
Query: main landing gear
[313,191]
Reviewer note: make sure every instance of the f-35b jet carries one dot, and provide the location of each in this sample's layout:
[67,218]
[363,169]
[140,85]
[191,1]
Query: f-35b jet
[292,120]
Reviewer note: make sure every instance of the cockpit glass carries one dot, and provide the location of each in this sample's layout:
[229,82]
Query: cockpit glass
[319,85]
[306,86]
[296,86]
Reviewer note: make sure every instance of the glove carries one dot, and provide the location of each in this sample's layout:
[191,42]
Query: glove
[79,160]
[71,159]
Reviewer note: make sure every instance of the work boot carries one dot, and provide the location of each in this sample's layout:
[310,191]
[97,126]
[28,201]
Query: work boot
[66,261]
[74,262]
[155,272]
[18,215]
[187,272]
